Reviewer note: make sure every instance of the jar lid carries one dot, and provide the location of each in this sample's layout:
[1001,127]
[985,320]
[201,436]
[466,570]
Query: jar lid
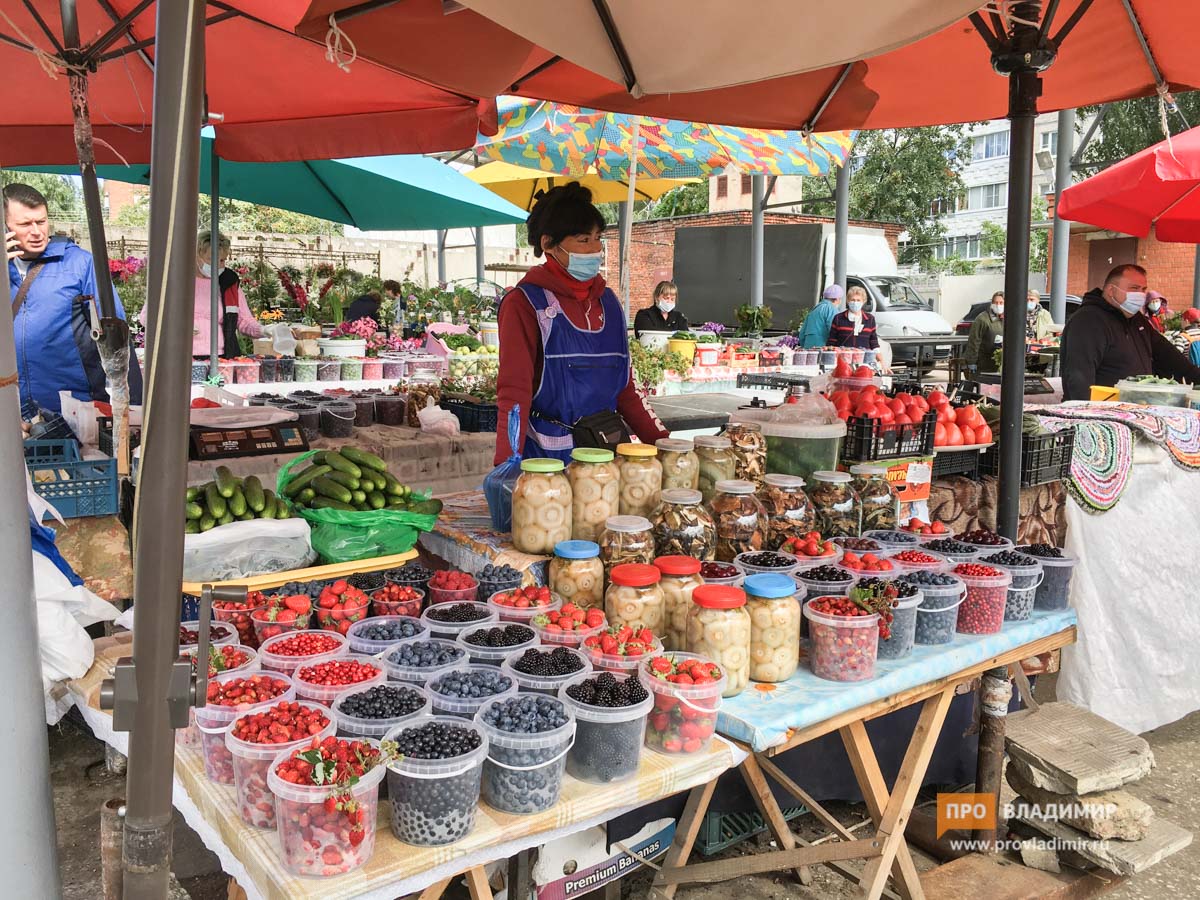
[678,565]
[637,450]
[673,445]
[719,596]
[576,549]
[627,524]
[735,486]
[635,575]
[591,455]
[769,586]
[541,464]
[832,477]
[786,482]
[682,496]
[713,442]
[867,469]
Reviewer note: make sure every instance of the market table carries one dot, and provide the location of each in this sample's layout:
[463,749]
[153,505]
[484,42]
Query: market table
[770,720]
[395,869]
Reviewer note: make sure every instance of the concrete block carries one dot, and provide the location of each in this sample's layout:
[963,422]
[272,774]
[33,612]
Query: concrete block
[1036,855]
[1162,839]
[1107,815]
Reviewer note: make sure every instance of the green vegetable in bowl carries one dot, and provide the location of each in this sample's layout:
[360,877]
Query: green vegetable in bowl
[461,342]
[1151,379]
[706,337]
[683,336]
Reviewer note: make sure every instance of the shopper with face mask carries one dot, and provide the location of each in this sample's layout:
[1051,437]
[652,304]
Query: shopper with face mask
[1109,338]
[986,337]
[1156,310]
[854,327]
[662,314]
[564,350]
[1039,324]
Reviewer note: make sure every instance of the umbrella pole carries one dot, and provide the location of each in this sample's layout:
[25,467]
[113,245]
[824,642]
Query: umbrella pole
[480,262]
[1062,228]
[757,185]
[627,223]
[214,223]
[159,705]
[841,225]
[1196,279]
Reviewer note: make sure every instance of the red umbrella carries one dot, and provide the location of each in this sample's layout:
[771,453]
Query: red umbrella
[278,96]
[1157,188]
[945,77]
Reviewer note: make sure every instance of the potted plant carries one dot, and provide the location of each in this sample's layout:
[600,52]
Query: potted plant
[753,320]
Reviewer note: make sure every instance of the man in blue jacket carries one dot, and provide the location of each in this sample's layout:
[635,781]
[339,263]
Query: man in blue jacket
[815,331]
[52,314]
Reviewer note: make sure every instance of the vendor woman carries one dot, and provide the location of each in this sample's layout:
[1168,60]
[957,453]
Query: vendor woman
[564,352]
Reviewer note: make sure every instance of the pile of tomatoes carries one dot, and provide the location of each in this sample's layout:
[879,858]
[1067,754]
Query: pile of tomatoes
[868,403]
[961,427]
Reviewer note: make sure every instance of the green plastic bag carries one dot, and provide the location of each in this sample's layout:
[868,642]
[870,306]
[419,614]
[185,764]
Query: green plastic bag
[341,536]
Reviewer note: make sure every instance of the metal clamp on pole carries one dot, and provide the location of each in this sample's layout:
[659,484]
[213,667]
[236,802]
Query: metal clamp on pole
[197,685]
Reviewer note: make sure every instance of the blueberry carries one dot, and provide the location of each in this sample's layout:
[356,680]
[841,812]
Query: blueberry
[826,574]
[950,545]
[383,701]
[389,631]
[524,780]
[464,684]
[896,537]
[426,654]
[434,811]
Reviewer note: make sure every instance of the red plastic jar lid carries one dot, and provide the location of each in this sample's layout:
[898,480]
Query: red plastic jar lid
[719,596]
[635,575]
[678,565]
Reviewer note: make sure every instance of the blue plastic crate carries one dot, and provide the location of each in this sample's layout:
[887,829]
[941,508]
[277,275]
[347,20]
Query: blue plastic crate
[76,487]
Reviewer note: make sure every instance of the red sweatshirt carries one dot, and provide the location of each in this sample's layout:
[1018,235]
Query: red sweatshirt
[521,352]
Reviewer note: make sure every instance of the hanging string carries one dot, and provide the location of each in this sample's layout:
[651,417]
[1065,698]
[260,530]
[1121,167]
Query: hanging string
[336,42]
[1166,104]
[50,64]
[1004,9]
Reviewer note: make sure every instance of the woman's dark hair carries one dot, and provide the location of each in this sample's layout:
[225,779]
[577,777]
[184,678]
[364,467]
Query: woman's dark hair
[561,212]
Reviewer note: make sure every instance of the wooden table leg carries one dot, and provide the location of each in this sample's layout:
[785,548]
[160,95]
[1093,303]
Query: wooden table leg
[893,810]
[520,876]
[477,884]
[768,808]
[685,837]
[435,890]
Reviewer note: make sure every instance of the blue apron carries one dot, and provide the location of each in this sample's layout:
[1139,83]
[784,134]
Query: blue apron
[583,372]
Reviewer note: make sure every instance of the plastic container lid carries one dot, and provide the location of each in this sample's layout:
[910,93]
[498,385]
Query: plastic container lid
[677,565]
[438,768]
[867,469]
[627,524]
[770,587]
[712,441]
[419,674]
[637,450]
[359,644]
[603,714]
[376,728]
[542,464]
[832,477]
[635,575]
[734,486]
[674,445]
[719,596]
[465,706]
[682,496]
[545,683]
[577,549]
[784,482]
[592,455]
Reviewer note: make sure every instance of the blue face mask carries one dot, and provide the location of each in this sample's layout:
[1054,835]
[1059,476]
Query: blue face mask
[584,266]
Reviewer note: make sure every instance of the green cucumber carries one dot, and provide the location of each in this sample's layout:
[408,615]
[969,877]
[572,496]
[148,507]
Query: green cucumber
[302,480]
[237,503]
[193,493]
[194,511]
[253,489]
[225,519]
[367,483]
[191,527]
[216,503]
[269,503]
[245,517]
[207,523]
[282,512]
[363,458]
[376,500]
[359,497]
[344,479]
[335,460]
[330,503]
[332,490]
[308,495]
[226,482]
[394,487]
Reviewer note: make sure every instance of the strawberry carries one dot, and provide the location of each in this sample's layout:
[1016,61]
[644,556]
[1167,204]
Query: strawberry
[660,721]
[660,665]
[672,745]
[298,603]
[331,805]
[339,587]
[356,835]
[691,746]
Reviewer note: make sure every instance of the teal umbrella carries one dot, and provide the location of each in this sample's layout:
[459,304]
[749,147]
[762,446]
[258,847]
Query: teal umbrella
[379,193]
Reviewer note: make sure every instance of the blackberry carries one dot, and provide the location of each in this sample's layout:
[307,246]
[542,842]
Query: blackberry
[393,630]
[606,749]
[382,701]
[367,581]
[1043,551]
[950,545]
[768,559]
[456,612]
[606,691]
[1009,558]
[426,654]
[548,663]
[826,573]
[434,811]
[500,636]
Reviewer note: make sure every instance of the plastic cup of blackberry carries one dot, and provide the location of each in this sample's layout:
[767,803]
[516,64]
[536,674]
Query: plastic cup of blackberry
[544,670]
[610,715]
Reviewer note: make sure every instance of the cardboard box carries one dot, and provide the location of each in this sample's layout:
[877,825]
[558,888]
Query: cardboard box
[910,477]
[587,858]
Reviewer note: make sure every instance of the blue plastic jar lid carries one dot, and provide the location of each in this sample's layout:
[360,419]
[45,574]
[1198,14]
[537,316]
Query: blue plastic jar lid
[770,587]
[576,549]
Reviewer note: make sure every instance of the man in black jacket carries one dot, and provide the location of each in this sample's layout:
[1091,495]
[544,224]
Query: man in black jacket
[1108,338]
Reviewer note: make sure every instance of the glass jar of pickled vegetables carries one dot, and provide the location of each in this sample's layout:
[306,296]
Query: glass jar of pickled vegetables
[716,463]
[577,574]
[680,576]
[634,597]
[880,505]
[683,527]
[680,465]
[641,479]
[595,491]
[789,514]
[749,448]
[773,602]
[626,539]
[718,628]
[424,389]
[739,518]
[541,506]
[836,507]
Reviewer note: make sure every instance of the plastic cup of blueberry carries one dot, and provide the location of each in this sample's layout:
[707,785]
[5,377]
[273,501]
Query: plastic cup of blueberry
[528,737]
[419,659]
[610,715]
[377,633]
[373,712]
[461,691]
[493,579]
[434,783]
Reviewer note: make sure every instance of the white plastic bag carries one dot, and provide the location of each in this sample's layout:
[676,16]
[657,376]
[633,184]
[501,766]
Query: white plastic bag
[282,337]
[243,549]
[435,420]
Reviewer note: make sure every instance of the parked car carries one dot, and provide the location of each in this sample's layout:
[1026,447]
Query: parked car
[964,324]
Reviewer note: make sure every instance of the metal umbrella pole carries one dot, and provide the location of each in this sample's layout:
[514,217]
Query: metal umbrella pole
[627,222]
[1062,228]
[757,199]
[841,224]
[214,219]
[158,685]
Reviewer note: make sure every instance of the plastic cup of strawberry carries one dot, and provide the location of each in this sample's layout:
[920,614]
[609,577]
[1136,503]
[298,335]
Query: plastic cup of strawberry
[340,605]
[811,545]
[529,597]
[622,641]
[867,562]
[397,600]
[687,694]
[569,624]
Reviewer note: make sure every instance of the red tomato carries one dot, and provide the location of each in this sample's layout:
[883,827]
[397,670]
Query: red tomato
[903,419]
[945,415]
[863,372]
[914,412]
[838,396]
[962,415]
[983,434]
[884,413]
[842,369]
[937,398]
[921,402]
[939,435]
[897,406]
[904,397]
[968,435]
[954,436]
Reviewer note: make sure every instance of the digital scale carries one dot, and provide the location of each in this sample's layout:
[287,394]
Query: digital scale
[208,442]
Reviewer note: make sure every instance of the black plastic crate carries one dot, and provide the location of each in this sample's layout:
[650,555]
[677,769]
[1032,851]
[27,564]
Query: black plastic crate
[473,416]
[1045,458]
[868,440]
[105,440]
[721,830]
[771,381]
[963,462]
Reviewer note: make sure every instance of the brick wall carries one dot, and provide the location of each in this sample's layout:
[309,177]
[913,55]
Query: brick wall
[652,252]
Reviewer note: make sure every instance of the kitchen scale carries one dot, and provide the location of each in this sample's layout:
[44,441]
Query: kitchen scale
[210,442]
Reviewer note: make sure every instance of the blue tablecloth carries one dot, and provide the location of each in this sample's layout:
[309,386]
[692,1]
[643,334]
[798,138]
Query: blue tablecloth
[763,719]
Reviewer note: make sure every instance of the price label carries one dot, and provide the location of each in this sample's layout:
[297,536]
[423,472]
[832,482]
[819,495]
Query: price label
[920,473]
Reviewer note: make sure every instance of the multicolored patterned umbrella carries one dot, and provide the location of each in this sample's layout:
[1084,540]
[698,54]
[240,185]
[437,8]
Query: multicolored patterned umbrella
[570,140]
